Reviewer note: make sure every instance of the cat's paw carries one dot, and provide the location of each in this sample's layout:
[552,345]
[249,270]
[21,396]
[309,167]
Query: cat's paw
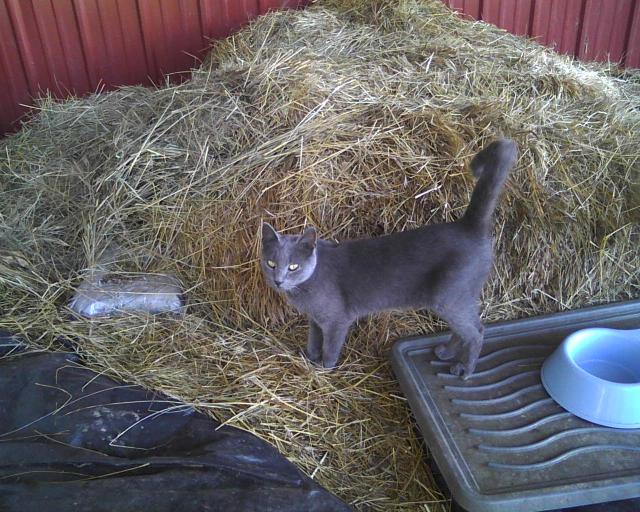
[460,370]
[445,351]
[331,364]
[317,360]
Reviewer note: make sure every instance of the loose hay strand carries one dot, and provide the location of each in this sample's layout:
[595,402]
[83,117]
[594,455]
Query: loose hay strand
[358,117]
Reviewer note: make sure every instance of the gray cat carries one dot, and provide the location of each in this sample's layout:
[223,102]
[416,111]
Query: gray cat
[441,267]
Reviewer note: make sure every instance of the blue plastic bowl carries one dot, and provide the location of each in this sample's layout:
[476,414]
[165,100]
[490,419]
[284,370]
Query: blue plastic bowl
[595,374]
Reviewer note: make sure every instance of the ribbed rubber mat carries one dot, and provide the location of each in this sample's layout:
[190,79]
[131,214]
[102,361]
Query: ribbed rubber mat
[501,443]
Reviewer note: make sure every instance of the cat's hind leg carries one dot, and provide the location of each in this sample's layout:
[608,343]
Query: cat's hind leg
[470,355]
[467,337]
[450,349]
[313,351]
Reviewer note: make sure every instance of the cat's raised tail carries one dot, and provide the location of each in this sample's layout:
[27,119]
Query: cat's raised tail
[491,166]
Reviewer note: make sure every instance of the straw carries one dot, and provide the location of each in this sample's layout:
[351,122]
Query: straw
[358,117]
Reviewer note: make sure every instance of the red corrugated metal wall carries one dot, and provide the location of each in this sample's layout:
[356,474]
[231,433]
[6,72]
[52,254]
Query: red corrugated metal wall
[78,46]
[589,29]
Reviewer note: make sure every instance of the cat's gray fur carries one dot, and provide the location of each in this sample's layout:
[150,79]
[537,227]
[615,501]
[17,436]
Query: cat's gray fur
[440,267]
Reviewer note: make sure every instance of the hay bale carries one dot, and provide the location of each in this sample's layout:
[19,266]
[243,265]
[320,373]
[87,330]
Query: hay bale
[357,117]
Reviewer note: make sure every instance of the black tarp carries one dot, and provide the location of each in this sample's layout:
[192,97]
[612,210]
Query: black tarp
[73,440]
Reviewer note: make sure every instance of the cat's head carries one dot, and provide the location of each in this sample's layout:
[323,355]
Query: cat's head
[287,260]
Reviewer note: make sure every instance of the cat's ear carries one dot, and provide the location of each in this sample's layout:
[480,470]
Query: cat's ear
[308,238]
[269,235]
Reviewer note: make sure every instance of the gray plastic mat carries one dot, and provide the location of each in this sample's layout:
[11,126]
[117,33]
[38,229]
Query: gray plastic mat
[501,443]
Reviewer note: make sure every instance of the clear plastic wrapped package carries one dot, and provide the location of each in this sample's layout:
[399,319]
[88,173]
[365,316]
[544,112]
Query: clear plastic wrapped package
[105,295]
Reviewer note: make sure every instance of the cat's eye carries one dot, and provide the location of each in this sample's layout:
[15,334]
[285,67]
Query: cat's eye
[271,264]
[293,267]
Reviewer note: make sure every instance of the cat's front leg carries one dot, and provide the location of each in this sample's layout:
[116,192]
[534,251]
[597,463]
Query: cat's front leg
[333,338]
[314,343]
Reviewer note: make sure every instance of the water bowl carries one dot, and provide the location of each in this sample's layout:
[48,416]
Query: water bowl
[595,374]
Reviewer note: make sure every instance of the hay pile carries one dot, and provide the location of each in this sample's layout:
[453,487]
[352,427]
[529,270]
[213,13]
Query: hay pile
[358,117]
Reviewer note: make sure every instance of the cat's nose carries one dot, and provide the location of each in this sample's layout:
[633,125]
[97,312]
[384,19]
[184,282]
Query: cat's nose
[278,283]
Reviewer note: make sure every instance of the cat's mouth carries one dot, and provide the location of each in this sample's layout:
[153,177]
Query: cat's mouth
[279,287]
[282,287]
